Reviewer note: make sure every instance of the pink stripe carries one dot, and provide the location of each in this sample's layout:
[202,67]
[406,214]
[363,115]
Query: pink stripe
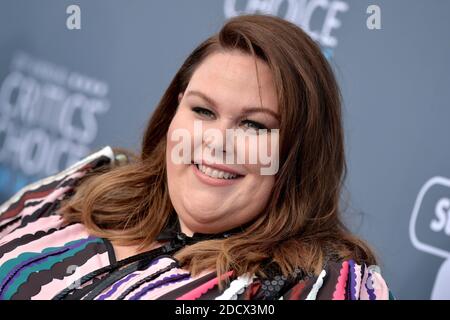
[149,295]
[339,292]
[8,229]
[363,294]
[42,224]
[202,289]
[56,239]
[162,263]
[358,280]
[49,290]
[380,287]
[155,294]
[25,212]
[49,198]
[55,194]
[50,195]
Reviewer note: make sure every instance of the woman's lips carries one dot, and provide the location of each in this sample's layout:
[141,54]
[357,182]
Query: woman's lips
[221,167]
[214,181]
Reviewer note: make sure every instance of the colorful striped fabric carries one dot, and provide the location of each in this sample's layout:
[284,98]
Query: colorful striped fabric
[43,258]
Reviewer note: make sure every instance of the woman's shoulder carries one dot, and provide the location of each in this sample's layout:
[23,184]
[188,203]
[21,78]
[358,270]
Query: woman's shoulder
[342,280]
[39,200]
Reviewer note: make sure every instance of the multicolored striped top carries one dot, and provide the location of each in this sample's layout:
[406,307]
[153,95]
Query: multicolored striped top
[43,258]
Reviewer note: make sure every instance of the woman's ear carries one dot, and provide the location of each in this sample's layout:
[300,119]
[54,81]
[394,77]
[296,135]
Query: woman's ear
[180,96]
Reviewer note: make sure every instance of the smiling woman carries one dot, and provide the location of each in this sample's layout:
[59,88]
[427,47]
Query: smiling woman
[123,226]
[200,205]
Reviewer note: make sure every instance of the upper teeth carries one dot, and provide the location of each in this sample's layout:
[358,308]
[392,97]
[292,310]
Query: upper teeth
[214,173]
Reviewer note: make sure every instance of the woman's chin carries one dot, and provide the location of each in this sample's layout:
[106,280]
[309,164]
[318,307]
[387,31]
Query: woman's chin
[202,225]
[205,221]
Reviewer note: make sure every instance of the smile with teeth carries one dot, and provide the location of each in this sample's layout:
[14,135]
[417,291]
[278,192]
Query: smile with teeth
[215,173]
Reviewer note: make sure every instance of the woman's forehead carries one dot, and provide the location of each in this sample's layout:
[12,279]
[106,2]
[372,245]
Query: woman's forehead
[231,78]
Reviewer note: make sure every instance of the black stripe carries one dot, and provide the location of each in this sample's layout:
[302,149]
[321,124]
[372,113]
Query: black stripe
[111,253]
[58,270]
[111,279]
[147,279]
[25,239]
[187,287]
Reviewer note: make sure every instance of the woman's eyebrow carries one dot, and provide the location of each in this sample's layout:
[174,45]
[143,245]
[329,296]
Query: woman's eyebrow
[246,110]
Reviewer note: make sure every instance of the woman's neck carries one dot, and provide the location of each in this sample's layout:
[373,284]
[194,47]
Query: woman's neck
[124,251]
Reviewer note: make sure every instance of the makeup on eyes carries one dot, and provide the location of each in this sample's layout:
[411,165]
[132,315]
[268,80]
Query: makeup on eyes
[206,112]
[195,95]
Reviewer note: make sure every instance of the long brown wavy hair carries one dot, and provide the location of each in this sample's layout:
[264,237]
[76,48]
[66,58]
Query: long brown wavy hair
[301,226]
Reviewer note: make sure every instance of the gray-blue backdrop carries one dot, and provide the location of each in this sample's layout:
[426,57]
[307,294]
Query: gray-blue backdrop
[66,91]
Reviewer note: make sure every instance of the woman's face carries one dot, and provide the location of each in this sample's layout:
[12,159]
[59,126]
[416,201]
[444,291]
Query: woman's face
[209,198]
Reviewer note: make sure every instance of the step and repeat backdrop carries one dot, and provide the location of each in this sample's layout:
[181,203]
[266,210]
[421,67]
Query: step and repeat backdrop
[78,75]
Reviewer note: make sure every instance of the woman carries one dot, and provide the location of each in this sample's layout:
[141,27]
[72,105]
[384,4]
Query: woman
[119,226]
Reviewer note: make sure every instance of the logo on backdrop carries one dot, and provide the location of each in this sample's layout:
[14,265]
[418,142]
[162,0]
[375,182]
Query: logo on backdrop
[429,229]
[318,18]
[48,119]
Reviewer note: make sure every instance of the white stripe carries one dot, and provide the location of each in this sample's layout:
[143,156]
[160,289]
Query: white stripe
[319,282]
[236,287]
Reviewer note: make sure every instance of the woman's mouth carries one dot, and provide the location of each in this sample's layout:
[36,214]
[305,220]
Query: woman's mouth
[214,176]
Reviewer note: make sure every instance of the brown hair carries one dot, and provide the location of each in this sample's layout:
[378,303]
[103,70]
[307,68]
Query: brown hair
[301,225]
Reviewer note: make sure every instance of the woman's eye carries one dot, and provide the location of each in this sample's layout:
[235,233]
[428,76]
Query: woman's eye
[203,112]
[253,125]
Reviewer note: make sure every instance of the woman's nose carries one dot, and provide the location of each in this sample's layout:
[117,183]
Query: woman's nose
[214,137]
[215,141]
